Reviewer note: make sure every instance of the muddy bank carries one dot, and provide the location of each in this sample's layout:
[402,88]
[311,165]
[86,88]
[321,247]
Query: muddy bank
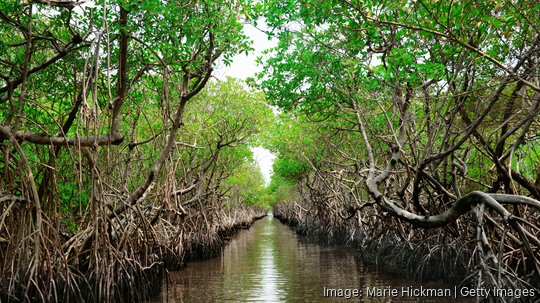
[423,255]
[197,251]
[134,260]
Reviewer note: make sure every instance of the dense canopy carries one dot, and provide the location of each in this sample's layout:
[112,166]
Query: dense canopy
[409,128]
[413,115]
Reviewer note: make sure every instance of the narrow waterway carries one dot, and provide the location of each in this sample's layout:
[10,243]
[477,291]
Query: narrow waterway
[269,263]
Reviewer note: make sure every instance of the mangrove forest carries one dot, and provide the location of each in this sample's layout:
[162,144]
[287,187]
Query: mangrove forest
[406,130]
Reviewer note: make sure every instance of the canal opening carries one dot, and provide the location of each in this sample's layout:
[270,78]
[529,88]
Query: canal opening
[270,263]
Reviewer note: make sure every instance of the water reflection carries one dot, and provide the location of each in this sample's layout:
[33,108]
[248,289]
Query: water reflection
[267,263]
[271,280]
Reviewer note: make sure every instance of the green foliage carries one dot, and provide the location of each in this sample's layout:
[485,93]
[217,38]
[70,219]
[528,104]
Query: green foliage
[246,183]
[289,169]
[73,61]
[220,125]
[345,44]
[437,63]
[103,113]
[227,113]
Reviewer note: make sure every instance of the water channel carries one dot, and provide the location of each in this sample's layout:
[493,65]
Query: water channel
[269,263]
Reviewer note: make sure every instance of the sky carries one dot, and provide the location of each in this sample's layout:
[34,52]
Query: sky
[242,67]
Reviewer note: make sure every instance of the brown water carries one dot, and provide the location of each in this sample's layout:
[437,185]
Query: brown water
[268,263]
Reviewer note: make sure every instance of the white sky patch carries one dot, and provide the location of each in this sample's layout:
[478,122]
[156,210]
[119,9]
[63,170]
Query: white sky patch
[245,66]
[265,159]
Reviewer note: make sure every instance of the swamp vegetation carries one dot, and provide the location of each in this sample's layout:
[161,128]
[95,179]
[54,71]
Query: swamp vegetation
[420,133]
[407,128]
[119,157]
